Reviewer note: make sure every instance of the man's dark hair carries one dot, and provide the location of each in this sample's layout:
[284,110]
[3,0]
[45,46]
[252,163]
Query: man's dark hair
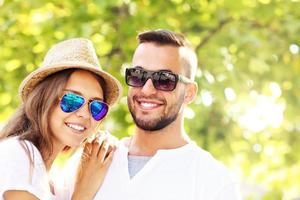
[163,37]
[166,37]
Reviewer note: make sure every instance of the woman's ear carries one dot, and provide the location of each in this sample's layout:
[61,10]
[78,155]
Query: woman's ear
[190,93]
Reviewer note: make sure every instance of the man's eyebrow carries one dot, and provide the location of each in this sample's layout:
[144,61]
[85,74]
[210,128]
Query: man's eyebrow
[164,70]
[79,93]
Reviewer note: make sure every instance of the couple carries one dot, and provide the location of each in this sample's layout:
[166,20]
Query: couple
[63,103]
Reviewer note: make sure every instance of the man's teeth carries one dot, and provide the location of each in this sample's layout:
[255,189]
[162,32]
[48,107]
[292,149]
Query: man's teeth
[148,105]
[76,127]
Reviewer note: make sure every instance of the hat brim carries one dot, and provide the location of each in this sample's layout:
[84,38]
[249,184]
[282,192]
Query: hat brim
[112,91]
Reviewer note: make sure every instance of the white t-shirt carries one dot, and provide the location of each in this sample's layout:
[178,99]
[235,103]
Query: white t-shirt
[17,172]
[185,173]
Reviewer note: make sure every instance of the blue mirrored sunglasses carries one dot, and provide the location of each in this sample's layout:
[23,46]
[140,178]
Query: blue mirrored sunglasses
[71,102]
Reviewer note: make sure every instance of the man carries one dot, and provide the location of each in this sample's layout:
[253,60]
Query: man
[159,161]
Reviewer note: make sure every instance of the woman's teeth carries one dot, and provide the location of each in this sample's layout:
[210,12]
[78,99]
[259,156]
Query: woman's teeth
[76,127]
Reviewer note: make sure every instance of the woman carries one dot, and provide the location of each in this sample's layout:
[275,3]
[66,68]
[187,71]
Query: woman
[63,103]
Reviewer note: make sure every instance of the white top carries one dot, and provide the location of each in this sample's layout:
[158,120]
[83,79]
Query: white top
[188,173]
[17,172]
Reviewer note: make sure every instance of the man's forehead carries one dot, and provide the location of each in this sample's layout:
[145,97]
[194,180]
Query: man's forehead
[149,46]
[159,57]
[164,53]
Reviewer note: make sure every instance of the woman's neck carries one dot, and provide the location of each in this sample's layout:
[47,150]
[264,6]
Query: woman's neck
[49,157]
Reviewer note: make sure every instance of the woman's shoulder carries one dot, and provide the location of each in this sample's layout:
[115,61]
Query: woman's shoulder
[12,156]
[21,156]
[13,148]
[10,143]
[21,168]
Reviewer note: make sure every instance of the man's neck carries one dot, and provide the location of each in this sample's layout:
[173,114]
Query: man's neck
[145,143]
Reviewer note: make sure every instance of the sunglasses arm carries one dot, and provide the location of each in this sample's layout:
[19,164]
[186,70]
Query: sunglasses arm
[185,79]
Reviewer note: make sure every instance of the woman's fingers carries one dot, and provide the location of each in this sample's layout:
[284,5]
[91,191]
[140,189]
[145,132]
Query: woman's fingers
[96,145]
[92,172]
[100,149]
[87,150]
[103,150]
[109,158]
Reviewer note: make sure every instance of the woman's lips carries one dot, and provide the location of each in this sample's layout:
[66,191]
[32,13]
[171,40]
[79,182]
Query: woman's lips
[77,128]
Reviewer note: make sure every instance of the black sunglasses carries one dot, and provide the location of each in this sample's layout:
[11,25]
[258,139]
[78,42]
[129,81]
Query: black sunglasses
[162,80]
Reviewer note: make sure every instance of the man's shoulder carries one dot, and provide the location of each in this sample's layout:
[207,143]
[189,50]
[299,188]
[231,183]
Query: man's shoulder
[124,141]
[206,161]
[213,174]
[199,153]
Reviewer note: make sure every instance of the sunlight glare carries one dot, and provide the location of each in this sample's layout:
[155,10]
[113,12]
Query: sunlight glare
[229,94]
[294,49]
[275,89]
[207,98]
[189,113]
[264,113]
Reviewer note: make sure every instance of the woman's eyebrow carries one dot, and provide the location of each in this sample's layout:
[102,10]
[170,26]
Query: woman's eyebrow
[97,98]
[79,93]
[73,91]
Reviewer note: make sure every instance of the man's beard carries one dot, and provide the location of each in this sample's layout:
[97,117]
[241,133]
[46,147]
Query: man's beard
[161,122]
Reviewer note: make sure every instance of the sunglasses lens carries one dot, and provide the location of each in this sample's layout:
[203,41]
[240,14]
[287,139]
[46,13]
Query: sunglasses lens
[164,81]
[71,102]
[98,109]
[135,77]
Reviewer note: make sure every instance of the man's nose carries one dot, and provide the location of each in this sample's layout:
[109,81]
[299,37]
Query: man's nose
[148,88]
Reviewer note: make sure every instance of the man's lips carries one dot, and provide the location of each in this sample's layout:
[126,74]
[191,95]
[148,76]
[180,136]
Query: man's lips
[147,104]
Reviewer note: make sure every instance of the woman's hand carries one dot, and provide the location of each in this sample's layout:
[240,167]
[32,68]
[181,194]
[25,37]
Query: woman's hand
[95,161]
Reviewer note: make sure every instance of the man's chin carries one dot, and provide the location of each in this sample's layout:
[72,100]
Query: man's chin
[147,125]
[149,129]
[154,124]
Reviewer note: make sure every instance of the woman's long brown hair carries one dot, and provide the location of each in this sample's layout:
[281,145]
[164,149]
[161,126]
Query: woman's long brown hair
[31,120]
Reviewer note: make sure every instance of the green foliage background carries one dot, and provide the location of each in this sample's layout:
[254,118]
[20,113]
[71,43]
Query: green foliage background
[247,109]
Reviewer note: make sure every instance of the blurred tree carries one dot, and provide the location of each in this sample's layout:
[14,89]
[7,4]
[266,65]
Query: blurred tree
[246,111]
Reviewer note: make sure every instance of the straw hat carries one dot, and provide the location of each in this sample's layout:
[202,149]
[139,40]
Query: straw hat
[77,53]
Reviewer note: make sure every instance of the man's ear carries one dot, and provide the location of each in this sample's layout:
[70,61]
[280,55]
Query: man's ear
[191,92]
